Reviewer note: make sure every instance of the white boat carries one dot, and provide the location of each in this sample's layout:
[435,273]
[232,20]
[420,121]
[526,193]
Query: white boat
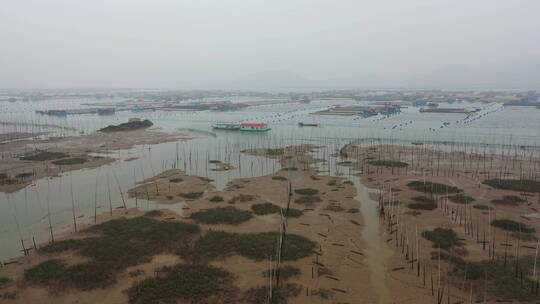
[226,126]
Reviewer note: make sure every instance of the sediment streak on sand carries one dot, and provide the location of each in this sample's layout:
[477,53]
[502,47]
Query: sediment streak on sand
[378,253]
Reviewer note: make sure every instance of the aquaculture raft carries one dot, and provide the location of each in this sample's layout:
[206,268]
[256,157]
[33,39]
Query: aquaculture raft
[254,127]
[226,126]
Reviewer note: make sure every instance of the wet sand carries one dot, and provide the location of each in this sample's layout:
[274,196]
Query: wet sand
[337,232]
[467,172]
[95,149]
[367,262]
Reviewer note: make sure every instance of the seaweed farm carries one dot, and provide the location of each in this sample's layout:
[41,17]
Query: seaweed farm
[156,206]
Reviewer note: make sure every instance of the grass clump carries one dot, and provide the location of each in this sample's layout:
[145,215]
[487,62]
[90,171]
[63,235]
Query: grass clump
[461,199]
[192,283]
[255,246]
[70,161]
[289,169]
[294,213]
[482,207]
[154,213]
[278,151]
[388,163]
[285,272]
[307,200]
[223,215]
[501,280]
[422,203]
[279,177]
[41,155]
[306,191]
[121,243]
[265,208]
[216,199]
[525,185]
[45,272]
[511,225]
[509,200]
[191,195]
[431,187]
[259,294]
[242,198]
[4,282]
[441,237]
[334,208]
[323,293]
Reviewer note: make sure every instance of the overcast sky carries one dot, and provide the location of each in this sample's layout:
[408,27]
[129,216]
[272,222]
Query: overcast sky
[271,44]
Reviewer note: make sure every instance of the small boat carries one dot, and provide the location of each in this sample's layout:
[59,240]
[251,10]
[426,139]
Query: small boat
[226,126]
[254,127]
[304,124]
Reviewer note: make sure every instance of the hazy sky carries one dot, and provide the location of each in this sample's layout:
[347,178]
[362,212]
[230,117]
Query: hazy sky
[269,44]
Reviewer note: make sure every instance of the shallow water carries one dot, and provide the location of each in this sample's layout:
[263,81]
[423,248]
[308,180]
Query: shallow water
[378,253]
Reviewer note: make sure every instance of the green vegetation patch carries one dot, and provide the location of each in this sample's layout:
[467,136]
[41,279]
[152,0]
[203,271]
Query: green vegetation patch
[222,215]
[278,151]
[285,272]
[307,200]
[323,293]
[334,208]
[45,272]
[216,199]
[509,200]
[431,187]
[257,295]
[242,198]
[422,203]
[268,208]
[121,243]
[278,177]
[41,155]
[128,126]
[482,207]
[191,283]
[306,191]
[388,163]
[70,161]
[294,213]
[255,246]
[445,238]
[289,169]
[511,225]
[525,185]
[265,208]
[154,213]
[461,199]
[501,281]
[5,282]
[191,195]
